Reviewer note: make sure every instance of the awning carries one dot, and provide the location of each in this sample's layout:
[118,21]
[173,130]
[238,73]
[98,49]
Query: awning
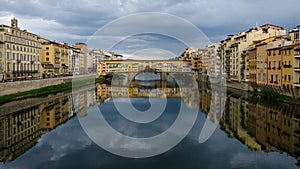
[64,65]
[47,65]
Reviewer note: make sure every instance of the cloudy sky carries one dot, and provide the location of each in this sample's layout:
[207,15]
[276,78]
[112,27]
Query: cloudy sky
[77,20]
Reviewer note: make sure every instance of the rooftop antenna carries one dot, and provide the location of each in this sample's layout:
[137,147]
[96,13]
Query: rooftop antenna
[257,27]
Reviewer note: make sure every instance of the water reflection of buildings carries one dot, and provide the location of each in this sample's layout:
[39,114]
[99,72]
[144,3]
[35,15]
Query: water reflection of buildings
[105,92]
[210,101]
[18,132]
[82,101]
[22,123]
[55,113]
[267,127]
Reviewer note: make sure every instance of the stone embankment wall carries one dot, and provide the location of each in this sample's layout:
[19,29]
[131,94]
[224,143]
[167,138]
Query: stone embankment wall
[22,86]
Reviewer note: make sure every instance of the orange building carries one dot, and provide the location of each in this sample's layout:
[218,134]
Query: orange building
[274,64]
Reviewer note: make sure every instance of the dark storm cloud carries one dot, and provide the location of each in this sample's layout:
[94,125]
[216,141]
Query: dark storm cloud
[76,20]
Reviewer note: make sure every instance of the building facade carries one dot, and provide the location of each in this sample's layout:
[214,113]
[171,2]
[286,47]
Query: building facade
[297,70]
[74,60]
[287,53]
[20,55]
[83,68]
[55,58]
[232,49]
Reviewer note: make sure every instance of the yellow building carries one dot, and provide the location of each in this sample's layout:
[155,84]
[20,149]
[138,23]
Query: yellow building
[287,53]
[251,63]
[195,58]
[19,53]
[55,59]
[294,34]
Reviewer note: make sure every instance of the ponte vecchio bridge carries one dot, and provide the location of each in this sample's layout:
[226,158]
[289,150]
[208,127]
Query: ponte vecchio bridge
[159,67]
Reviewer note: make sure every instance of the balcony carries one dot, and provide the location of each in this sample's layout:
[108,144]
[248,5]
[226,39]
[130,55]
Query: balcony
[57,52]
[57,57]
[287,66]
[297,84]
[297,69]
[32,71]
[17,72]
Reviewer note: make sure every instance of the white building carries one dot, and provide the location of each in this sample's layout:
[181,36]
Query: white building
[74,60]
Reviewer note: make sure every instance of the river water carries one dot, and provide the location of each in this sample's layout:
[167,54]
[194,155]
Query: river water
[47,133]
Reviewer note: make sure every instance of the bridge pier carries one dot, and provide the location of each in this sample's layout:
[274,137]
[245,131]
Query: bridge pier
[163,83]
[163,76]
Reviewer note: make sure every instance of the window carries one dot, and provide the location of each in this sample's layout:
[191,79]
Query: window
[47,53]
[7,55]
[276,78]
[271,80]
[47,59]
[289,78]
[7,46]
